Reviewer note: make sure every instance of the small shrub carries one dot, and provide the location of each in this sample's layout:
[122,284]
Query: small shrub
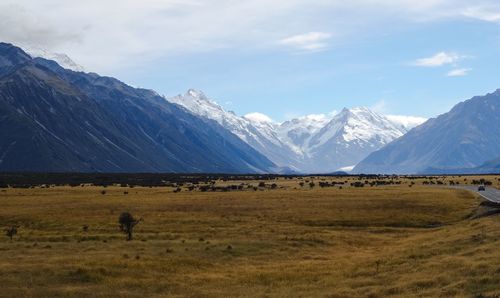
[11,232]
[127,223]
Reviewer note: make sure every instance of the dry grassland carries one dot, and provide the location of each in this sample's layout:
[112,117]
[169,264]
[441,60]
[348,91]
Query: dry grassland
[322,242]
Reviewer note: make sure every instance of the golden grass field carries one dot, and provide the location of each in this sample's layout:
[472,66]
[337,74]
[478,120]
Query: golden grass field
[292,241]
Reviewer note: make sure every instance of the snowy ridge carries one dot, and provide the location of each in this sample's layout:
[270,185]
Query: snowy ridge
[309,144]
[196,102]
[62,59]
[358,124]
[254,130]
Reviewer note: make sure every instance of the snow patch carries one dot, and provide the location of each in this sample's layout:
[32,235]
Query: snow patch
[346,169]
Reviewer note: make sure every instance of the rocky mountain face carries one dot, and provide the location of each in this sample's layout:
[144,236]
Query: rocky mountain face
[56,120]
[464,138]
[310,144]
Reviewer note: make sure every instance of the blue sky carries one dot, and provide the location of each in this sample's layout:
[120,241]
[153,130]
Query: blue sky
[285,58]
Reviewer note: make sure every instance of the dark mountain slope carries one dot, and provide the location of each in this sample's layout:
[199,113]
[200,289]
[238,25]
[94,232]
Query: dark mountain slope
[465,137]
[52,119]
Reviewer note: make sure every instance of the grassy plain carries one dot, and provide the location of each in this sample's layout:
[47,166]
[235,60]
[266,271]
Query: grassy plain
[379,241]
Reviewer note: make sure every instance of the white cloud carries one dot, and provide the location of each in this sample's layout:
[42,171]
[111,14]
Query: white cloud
[459,72]
[312,41]
[259,117]
[115,34]
[406,121]
[488,14]
[439,59]
[319,117]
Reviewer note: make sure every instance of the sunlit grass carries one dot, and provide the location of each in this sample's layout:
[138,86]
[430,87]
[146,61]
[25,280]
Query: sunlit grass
[380,241]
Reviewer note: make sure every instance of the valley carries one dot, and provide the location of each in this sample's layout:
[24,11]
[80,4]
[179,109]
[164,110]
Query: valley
[403,236]
[299,148]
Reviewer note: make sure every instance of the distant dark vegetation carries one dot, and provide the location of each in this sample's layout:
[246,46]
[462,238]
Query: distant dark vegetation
[27,180]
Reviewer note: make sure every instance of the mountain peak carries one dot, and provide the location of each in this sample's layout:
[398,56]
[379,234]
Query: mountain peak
[358,110]
[359,124]
[197,100]
[62,59]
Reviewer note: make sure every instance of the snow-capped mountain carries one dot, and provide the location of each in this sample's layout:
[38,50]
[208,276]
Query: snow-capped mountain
[349,137]
[300,130]
[62,59]
[357,125]
[261,135]
[309,144]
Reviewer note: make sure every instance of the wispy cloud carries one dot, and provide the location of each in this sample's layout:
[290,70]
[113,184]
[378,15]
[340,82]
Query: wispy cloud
[311,42]
[439,59]
[488,14]
[380,106]
[259,117]
[459,72]
[312,118]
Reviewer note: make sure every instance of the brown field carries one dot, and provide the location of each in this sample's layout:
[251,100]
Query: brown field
[380,241]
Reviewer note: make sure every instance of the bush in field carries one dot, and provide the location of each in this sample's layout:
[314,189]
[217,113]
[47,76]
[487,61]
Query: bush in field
[11,232]
[357,184]
[127,223]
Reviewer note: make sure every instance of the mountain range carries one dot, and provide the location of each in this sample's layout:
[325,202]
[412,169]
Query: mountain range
[56,118]
[309,144]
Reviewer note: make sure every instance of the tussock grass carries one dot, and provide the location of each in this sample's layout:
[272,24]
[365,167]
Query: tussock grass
[384,241]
